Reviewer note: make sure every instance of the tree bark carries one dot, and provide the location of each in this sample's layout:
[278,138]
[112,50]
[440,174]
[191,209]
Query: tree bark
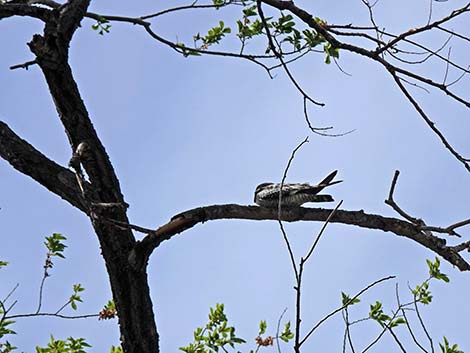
[129,284]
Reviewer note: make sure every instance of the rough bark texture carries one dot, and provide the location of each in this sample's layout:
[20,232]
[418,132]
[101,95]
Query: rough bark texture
[129,285]
[188,219]
[29,161]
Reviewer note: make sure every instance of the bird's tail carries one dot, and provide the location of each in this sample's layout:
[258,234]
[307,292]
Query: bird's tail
[328,181]
[321,198]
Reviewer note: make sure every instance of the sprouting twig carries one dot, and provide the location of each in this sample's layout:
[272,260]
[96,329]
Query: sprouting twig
[319,323]
[403,312]
[422,324]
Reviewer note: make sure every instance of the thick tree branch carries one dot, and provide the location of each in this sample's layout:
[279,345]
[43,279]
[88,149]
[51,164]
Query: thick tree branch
[29,161]
[9,10]
[189,219]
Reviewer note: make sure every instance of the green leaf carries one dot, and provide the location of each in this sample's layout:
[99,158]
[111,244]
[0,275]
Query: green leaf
[346,299]
[250,11]
[397,322]
[447,348]
[287,334]
[216,335]
[7,347]
[4,330]
[55,244]
[262,327]
[117,349]
[218,3]
[78,288]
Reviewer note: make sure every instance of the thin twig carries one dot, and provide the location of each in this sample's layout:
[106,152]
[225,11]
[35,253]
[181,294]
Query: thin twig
[63,307]
[347,332]
[319,130]
[53,315]
[278,329]
[422,324]
[391,202]
[25,65]
[185,7]
[41,287]
[395,337]
[317,239]
[279,208]
[402,309]
[10,293]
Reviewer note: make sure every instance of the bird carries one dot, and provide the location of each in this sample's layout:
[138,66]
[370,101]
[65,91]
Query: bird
[293,195]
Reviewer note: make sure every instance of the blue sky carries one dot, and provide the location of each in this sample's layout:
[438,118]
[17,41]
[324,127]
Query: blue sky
[187,132]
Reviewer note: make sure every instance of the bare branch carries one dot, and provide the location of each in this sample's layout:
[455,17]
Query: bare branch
[279,210]
[186,7]
[9,10]
[423,326]
[419,222]
[430,123]
[462,246]
[391,202]
[71,317]
[427,27]
[190,218]
[25,65]
[407,323]
[29,161]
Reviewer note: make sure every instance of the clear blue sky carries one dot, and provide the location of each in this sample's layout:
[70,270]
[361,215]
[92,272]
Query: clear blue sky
[187,132]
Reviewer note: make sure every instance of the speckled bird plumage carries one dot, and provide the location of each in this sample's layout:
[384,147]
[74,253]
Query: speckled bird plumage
[293,195]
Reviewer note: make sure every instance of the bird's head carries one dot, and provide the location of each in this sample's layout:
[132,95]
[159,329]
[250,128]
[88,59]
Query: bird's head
[261,187]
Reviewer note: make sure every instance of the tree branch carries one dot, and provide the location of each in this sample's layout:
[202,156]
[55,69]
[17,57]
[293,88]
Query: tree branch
[27,160]
[190,218]
[9,10]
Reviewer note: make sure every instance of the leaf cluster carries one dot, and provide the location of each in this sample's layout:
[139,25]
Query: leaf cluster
[55,245]
[217,334]
[282,30]
[213,36]
[101,26]
[421,292]
[70,345]
[75,297]
[376,313]
[447,348]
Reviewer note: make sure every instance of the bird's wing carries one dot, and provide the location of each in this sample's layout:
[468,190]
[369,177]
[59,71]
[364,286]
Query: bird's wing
[271,192]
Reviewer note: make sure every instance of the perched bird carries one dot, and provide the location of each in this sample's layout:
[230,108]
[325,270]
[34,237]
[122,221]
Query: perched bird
[293,195]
